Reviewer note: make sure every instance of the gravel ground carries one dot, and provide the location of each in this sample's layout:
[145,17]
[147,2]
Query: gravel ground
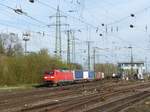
[143,106]
[13,100]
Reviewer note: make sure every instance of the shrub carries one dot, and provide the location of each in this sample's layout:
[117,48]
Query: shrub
[27,69]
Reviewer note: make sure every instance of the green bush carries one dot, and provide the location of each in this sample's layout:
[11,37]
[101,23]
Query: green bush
[29,69]
[17,68]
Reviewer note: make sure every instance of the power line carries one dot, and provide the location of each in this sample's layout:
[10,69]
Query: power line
[20,12]
[8,24]
[5,11]
[79,19]
[126,17]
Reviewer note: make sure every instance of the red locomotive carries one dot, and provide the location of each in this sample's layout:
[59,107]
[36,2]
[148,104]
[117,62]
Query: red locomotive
[58,76]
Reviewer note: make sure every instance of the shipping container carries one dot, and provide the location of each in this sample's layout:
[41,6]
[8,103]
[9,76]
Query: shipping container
[73,71]
[91,75]
[78,75]
[85,75]
[99,75]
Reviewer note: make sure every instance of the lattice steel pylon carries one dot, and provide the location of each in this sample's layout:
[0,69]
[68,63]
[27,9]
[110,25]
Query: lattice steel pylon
[58,40]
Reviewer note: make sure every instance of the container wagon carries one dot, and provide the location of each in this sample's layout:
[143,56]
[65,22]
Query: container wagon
[99,76]
[84,75]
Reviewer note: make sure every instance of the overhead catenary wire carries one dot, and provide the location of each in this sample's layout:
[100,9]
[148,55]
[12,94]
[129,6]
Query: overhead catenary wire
[20,28]
[4,11]
[12,24]
[73,17]
[96,26]
[19,11]
[25,29]
[36,25]
[115,21]
[130,15]
[78,18]
[79,6]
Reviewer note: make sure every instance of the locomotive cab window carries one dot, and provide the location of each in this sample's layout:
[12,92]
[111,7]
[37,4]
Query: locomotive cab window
[49,73]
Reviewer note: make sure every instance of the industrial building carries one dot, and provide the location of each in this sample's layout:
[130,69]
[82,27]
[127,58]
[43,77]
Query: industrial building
[133,69]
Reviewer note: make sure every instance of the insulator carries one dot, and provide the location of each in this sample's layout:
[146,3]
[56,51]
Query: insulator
[100,34]
[32,1]
[132,15]
[131,26]
[103,24]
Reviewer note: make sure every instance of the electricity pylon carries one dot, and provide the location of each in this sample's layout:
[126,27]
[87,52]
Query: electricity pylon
[58,25]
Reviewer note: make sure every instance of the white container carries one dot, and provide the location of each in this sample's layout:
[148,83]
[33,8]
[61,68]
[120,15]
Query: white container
[73,74]
[85,75]
[103,76]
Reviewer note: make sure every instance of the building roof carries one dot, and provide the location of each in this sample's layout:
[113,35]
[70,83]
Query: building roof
[138,62]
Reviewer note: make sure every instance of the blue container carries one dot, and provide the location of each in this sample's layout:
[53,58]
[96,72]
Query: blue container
[91,74]
[78,75]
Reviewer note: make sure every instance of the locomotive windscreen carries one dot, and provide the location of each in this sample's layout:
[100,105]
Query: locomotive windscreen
[49,73]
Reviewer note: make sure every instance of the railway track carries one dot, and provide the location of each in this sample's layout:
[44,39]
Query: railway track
[16,100]
[84,104]
[13,94]
[118,105]
[79,102]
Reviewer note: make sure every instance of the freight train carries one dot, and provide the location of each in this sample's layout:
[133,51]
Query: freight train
[65,76]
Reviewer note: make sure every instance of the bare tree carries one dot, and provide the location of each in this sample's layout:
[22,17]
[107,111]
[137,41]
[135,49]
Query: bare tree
[10,45]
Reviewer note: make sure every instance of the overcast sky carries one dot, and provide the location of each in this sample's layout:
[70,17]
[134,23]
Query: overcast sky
[115,14]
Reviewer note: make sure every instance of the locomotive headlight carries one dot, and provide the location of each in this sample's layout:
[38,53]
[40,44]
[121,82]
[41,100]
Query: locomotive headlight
[52,77]
[45,77]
